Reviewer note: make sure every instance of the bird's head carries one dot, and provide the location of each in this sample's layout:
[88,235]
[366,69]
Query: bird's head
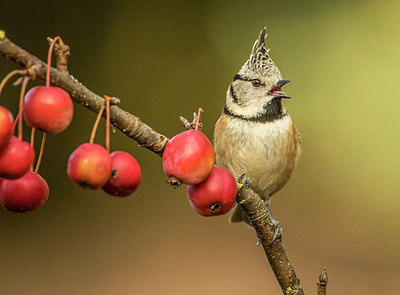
[257,86]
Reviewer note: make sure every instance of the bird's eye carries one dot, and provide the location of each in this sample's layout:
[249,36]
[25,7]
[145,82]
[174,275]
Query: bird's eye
[255,82]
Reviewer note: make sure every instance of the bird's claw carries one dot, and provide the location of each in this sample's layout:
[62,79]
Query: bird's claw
[275,223]
[278,233]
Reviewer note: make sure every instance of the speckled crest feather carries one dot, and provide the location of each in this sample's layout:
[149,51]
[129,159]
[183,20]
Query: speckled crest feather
[259,61]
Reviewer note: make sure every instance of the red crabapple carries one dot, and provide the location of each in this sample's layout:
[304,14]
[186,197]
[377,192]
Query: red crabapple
[189,156]
[23,194]
[15,158]
[48,109]
[6,126]
[215,195]
[89,166]
[126,175]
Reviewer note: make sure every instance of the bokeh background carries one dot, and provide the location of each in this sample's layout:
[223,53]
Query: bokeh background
[164,59]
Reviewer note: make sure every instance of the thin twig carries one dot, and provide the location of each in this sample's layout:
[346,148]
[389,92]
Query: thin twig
[323,282]
[196,124]
[62,53]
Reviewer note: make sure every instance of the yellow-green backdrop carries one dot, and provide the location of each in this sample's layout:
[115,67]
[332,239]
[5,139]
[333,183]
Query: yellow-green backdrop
[164,59]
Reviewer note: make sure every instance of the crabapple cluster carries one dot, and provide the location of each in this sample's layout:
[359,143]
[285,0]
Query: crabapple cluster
[48,109]
[91,166]
[189,157]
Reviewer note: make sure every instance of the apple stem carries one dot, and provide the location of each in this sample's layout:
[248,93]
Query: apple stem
[96,124]
[33,137]
[198,118]
[16,120]
[39,160]
[107,98]
[21,106]
[32,142]
[53,42]
[9,76]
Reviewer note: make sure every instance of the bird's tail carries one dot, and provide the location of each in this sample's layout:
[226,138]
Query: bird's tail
[238,215]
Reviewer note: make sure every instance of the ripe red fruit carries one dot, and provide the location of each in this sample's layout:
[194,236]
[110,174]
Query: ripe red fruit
[23,194]
[16,158]
[6,124]
[89,165]
[49,109]
[215,195]
[126,175]
[189,156]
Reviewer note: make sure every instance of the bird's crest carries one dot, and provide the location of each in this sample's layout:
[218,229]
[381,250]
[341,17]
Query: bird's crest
[259,61]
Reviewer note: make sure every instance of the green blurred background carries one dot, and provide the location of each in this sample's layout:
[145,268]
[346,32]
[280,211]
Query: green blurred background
[164,59]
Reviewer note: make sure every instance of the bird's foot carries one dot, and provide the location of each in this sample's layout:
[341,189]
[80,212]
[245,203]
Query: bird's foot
[278,233]
[275,223]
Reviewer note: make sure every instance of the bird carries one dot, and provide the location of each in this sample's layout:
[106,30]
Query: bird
[255,134]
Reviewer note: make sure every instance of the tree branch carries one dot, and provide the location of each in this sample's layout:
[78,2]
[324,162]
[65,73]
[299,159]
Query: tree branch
[129,124]
[260,219]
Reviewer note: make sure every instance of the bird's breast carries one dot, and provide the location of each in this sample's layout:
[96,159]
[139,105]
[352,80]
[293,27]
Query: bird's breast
[266,151]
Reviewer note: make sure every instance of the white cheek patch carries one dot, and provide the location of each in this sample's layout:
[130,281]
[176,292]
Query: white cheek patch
[253,106]
[246,109]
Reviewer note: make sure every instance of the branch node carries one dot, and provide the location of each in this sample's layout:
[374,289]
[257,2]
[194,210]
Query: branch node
[323,282]
[62,52]
[323,277]
[114,101]
[185,122]
[19,81]
[33,71]
[191,125]
[243,182]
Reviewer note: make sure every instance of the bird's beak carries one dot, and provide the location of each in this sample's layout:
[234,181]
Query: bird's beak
[282,82]
[277,92]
